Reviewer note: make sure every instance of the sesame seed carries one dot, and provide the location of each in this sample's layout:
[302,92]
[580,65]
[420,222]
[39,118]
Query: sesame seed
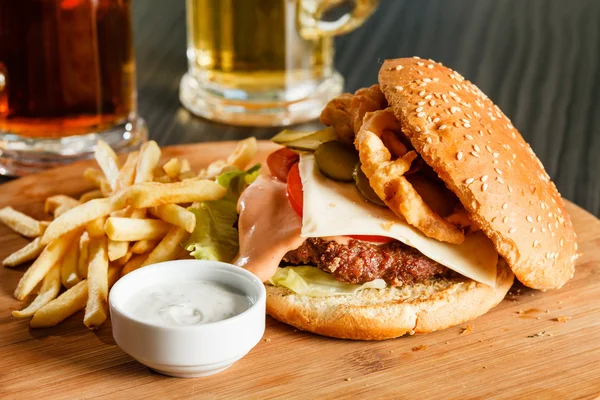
[430,66]
[454,109]
[420,64]
[561,242]
[428,140]
[421,73]
[428,97]
[505,219]
[427,80]
[452,94]
[510,189]
[484,178]
[419,109]
[436,79]
[535,243]
[488,148]
[496,155]
[421,103]
[436,120]
[429,119]
[498,170]
[499,179]
[475,154]
[399,67]
[432,103]
[399,88]
[459,155]
[469,181]
[512,230]
[416,57]
[456,87]
[504,206]
[418,129]
[476,148]
[442,127]
[421,115]
[529,219]
[466,121]
[532,230]
[467,125]
[495,161]
[543,229]
[484,187]
[422,93]
[539,218]
[422,84]
[468,137]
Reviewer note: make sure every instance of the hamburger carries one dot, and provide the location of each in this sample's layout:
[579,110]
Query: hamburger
[412,212]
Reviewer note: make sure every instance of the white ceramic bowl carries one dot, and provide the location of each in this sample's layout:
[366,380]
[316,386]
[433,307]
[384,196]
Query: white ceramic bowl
[188,351]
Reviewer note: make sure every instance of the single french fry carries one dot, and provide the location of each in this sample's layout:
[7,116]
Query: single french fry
[62,307]
[215,169]
[108,162]
[172,167]
[59,200]
[168,247]
[127,172]
[84,247]
[184,165]
[117,249]
[132,229]
[134,263]
[51,255]
[94,176]
[78,217]
[96,309]
[91,195]
[95,228]
[244,153]
[120,262]
[143,246]
[24,254]
[21,223]
[69,265]
[150,194]
[175,215]
[48,292]
[147,161]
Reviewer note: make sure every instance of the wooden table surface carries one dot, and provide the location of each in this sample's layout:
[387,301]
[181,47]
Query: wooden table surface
[539,60]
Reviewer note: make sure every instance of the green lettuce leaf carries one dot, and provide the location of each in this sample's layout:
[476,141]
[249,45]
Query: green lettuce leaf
[215,237]
[311,281]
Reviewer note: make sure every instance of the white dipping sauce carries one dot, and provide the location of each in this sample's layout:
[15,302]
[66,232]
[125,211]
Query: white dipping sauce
[187,303]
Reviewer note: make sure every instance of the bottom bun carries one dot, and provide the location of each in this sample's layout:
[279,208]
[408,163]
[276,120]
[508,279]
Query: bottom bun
[373,314]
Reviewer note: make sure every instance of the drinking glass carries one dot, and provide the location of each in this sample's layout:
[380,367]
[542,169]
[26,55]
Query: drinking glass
[67,79]
[265,62]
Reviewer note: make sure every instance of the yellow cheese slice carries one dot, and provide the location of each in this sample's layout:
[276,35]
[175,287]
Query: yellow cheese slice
[335,209]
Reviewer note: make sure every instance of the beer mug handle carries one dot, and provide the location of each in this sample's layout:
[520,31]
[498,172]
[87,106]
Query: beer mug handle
[310,13]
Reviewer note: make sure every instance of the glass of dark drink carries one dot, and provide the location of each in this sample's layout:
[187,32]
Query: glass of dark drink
[67,79]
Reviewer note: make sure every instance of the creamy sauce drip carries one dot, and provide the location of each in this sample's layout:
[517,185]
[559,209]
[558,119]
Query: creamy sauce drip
[187,303]
[268,227]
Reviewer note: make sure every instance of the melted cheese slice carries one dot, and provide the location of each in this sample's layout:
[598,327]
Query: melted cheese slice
[333,208]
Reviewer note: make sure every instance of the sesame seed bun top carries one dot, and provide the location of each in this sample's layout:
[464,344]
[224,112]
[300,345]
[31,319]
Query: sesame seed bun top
[485,161]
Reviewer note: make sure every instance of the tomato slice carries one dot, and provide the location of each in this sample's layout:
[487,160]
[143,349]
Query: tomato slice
[281,161]
[294,189]
[372,238]
[296,199]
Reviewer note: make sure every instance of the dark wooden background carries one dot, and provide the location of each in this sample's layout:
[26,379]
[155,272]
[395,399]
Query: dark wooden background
[539,60]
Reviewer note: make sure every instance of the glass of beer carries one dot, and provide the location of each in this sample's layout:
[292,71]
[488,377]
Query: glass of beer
[67,79]
[265,62]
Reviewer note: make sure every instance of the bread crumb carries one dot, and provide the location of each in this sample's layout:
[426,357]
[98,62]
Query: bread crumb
[542,333]
[547,311]
[267,340]
[467,330]
[419,348]
[348,379]
[484,367]
[447,342]
[520,312]
[387,226]
[391,351]
[562,318]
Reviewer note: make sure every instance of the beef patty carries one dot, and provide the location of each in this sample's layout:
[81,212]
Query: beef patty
[360,262]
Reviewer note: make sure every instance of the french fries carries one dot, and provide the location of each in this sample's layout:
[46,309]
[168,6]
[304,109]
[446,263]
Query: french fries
[24,254]
[175,215]
[62,307]
[77,217]
[50,256]
[48,292]
[151,194]
[135,216]
[148,159]
[132,229]
[108,162]
[21,223]
[96,309]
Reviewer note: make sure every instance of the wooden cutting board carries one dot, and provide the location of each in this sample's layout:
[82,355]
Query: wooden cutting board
[518,350]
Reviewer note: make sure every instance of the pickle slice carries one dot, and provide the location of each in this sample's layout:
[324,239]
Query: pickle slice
[308,141]
[336,160]
[363,186]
